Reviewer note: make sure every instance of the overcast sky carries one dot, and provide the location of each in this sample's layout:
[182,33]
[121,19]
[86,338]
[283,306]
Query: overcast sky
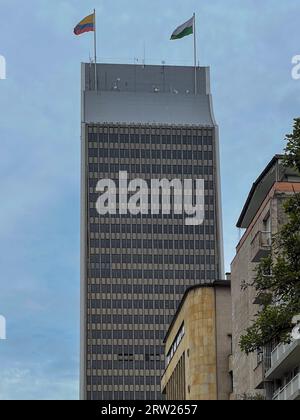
[249,46]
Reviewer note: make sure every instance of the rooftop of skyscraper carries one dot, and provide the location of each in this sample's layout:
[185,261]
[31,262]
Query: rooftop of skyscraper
[147,94]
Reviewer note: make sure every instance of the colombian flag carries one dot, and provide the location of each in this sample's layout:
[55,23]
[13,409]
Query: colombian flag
[86,25]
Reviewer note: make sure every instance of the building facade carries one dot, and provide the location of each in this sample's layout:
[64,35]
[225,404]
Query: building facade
[283,373]
[151,122]
[263,214]
[198,346]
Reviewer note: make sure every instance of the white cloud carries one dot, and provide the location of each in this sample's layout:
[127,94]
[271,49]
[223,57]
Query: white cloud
[17,383]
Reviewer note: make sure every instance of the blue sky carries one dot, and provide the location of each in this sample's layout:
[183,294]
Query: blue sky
[249,45]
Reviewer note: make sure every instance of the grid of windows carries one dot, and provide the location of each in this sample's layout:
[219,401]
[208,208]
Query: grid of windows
[140,266]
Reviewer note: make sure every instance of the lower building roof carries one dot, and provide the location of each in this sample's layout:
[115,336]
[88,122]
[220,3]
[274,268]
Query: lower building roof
[214,284]
[274,172]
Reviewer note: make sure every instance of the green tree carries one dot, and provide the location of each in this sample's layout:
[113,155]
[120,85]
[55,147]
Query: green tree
[277,279]
[292,150]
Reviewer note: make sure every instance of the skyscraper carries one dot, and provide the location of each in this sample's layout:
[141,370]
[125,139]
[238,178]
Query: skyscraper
[151,122]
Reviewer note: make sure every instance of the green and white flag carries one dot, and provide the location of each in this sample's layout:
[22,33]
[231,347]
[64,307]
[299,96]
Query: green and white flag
[184,30]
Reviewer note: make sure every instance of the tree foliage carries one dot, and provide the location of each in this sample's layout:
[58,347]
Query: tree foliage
[292,150]
[277,278]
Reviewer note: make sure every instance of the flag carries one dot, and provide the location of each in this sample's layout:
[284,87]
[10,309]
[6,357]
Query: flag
[86,25]
[183,30]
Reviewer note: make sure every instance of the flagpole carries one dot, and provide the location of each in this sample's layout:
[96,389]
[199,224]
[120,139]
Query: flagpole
[95,50]
[195,54]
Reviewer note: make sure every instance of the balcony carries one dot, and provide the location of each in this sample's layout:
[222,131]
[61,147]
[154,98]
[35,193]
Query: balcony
[290,392]
[261,246]
[259,376]
[284,358]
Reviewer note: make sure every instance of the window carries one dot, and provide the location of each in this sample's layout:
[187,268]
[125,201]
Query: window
[175,345]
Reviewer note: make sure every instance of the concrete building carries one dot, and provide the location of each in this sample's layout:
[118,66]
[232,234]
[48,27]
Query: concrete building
[283,374]
[198,345]
[261,218]
[151,122]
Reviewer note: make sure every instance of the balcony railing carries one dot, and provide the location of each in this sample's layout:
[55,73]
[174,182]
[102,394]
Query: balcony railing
[283,359]
[280,351]
[263,364]
[261,246]
[290,391]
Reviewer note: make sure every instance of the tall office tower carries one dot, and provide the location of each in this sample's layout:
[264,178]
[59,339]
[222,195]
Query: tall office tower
[152,122]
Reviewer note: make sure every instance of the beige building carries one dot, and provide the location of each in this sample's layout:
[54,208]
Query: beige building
[261,217]
[198,346]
